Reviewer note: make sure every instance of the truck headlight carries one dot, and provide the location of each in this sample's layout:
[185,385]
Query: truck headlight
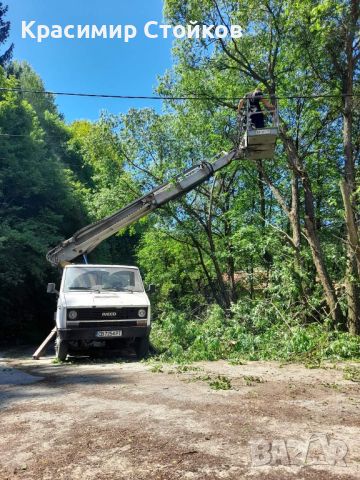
[73,314]
[142,312]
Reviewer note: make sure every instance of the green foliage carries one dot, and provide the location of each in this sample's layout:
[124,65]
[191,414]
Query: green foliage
[29,81]
[102,183]
[255,335]
[6,55]
[352,373]
[220,383]
[37,208]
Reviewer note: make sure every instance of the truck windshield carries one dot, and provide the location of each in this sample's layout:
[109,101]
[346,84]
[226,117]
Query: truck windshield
[102,279]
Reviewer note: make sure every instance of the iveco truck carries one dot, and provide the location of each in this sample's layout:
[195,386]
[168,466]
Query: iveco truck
[101,306]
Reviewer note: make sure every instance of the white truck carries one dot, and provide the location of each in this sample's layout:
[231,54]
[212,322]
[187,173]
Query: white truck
[101,305]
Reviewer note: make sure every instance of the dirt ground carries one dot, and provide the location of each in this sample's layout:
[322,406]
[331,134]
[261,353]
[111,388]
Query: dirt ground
[109,420]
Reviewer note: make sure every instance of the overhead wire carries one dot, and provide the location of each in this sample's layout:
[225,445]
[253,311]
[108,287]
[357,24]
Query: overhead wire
[157,97]
[168,97]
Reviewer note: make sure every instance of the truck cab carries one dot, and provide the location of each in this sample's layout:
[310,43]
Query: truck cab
[101,306]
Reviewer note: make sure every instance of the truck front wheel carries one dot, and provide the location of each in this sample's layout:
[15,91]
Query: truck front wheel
[142,345]
[61,349]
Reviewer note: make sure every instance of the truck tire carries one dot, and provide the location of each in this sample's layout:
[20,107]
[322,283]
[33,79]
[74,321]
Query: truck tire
[142,345]
[61,349]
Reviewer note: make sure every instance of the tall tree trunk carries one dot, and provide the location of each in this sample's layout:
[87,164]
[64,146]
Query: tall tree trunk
[310,229]
[292,214]
[348,185]
[348,188]
[296,239]
[229,247]
[260,183]
[352,267]
[223,291]
[295,216]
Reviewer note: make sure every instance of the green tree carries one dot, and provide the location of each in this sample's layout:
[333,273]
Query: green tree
[5,57]
[333,50]
[37,209]
[271,53]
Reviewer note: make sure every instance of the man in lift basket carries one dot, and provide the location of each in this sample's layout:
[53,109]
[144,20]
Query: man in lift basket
[253,99]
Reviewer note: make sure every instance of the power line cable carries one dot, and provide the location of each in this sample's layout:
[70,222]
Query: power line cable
[154,97]
[158,97]
[12,135]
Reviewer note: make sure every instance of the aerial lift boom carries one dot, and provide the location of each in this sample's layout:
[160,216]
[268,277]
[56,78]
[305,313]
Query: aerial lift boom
[86,239]
[255,144]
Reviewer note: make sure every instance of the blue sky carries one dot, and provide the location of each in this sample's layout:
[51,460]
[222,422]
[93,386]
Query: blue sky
[93,65]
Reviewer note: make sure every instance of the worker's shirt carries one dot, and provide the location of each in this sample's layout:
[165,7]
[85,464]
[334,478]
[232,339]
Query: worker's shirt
[254,101]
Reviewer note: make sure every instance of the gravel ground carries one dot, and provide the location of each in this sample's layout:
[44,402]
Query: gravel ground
[109,420]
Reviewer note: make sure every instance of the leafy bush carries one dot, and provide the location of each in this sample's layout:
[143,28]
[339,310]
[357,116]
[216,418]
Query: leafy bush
[256,333]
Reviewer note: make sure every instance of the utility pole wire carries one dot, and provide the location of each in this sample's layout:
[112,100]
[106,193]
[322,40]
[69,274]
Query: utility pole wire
[158,97]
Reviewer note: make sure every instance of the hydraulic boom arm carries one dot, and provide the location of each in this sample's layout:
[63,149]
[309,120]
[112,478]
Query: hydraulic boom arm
[257,143]
[86,239]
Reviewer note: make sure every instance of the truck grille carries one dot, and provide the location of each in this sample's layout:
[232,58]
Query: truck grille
[110,314]
[101,325]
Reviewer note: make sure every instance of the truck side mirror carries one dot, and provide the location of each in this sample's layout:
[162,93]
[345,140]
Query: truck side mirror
[51,288]
[151,288]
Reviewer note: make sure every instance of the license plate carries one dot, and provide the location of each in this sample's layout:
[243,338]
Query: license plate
[109,333]
[261,132]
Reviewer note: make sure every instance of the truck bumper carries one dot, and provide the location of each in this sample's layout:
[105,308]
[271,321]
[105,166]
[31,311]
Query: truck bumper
[70,334]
